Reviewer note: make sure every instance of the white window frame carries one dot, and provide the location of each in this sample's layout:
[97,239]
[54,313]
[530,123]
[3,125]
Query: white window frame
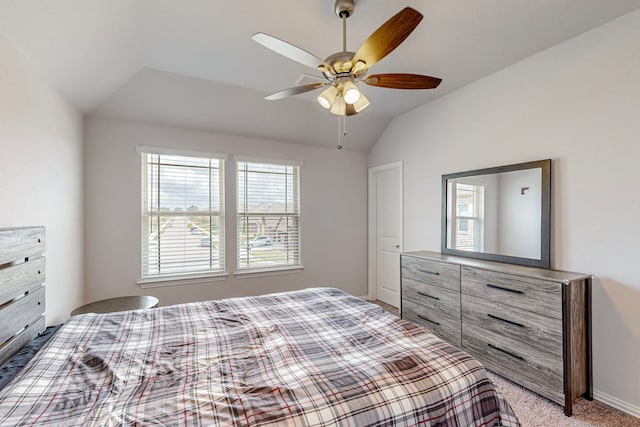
[279,269]
[148,281]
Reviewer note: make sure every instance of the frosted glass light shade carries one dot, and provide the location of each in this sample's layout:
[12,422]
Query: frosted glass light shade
[327,97]
[351,93]
[339,107]
[361,103]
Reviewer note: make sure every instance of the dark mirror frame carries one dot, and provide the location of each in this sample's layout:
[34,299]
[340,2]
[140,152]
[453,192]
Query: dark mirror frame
[545,230]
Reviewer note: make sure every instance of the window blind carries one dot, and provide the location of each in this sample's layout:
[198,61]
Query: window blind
[268,215]
[182,215]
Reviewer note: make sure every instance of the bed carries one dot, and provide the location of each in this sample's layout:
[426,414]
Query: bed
[314,357]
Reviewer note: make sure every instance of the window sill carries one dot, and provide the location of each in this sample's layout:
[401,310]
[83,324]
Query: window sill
[158,282]
[276,271]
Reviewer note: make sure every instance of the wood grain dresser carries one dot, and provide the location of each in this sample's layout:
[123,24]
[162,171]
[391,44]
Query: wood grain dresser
[530,325]
[22,292]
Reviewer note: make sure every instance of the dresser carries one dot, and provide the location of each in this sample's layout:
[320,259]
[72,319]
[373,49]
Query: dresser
[530,325]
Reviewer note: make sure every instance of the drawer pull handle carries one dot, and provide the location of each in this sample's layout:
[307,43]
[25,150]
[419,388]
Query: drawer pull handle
[511,322]
[506,352]
[433,273]
[428,296]
[515,291]
[428,320]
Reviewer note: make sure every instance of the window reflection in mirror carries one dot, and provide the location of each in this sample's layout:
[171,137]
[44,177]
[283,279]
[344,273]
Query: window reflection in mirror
[468,199]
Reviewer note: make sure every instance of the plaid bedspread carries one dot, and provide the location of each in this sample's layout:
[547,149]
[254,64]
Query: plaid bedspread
[316,357]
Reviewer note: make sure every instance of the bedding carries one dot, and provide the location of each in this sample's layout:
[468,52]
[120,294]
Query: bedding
[315,357]
[13,366]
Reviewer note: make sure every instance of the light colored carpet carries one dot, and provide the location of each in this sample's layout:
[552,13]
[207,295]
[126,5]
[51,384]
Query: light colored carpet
[535,411]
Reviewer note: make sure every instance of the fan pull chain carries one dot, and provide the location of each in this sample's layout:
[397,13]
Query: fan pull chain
[342,130]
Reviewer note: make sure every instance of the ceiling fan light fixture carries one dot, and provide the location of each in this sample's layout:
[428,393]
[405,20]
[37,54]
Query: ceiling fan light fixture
[361,103]
[327,97]
[324,103]
[339,107]
[351,92]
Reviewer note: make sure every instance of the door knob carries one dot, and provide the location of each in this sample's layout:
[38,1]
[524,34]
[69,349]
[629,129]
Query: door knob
[396,246]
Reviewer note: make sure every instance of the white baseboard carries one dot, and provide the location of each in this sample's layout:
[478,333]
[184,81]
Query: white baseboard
[617,403]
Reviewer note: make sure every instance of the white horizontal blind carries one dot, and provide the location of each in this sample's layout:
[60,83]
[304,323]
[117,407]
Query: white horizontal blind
[469,217]
[268,215]
[182,215]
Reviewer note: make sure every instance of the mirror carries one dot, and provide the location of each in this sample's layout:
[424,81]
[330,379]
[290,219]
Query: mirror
[499,214]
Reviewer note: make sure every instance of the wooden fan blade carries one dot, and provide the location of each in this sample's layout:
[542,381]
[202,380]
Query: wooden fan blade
[386,38]
[296,90]
[288,50]
[403,81]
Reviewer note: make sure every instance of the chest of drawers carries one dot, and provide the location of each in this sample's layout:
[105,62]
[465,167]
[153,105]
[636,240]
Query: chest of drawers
[431,296]
[530,325]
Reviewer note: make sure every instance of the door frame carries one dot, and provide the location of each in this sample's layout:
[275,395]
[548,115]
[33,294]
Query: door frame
[372,219]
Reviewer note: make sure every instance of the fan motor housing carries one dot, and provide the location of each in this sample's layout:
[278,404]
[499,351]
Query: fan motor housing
[340,62]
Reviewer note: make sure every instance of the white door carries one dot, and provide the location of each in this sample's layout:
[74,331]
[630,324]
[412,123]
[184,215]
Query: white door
[385,216]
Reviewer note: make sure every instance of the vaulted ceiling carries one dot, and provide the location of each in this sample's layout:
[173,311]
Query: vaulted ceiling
[192,63]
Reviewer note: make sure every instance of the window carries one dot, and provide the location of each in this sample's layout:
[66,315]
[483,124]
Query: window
[469,224]
[182,214]
[268,215]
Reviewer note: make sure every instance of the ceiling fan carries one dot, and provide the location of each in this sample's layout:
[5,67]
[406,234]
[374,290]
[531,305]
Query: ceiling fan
[343,71]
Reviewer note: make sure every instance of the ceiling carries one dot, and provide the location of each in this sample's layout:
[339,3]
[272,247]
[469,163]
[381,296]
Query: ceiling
[192,63]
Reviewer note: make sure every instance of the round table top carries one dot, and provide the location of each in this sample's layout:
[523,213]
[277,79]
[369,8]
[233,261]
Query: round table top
[110,305]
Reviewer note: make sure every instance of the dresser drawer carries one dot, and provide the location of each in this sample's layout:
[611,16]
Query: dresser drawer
[441,324]
[533,365]
[538,296]
[539,331]
[433,297]
[432,272]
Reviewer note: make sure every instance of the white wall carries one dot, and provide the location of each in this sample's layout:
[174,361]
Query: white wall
[520,223]
[333,216]
[41,174]
[577,103]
